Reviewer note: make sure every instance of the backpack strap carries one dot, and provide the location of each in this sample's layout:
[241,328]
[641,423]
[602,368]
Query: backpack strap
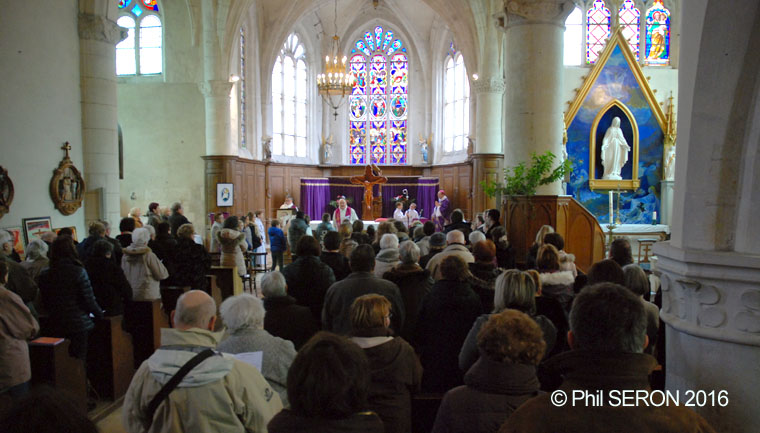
[173,382]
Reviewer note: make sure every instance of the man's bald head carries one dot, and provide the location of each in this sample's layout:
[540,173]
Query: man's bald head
[195,309]
[455,237]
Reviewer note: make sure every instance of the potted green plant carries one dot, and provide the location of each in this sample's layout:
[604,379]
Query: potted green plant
[524,180]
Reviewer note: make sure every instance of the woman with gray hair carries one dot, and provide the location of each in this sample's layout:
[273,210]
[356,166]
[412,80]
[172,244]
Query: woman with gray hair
[285,318]
[244,317]
[36,258]
[514,290]
[142,268]
[388,256]
[413,282]
[636,281]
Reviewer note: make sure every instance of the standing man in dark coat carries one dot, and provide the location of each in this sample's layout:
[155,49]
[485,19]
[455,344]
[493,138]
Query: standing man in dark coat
[307,277]
[361,281]
[177,218]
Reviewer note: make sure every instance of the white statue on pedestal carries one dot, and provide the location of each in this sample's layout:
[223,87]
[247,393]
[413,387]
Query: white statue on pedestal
[614,151]
[326,152]
[266,144]
[425,149]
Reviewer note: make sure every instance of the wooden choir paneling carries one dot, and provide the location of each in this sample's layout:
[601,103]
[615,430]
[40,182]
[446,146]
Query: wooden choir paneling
[260,185]
[456,180]
[583,235]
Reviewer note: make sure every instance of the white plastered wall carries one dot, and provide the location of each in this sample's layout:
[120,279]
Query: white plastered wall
[40,104]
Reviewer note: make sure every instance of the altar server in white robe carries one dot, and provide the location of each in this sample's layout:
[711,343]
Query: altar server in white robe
[343,213]
[411,215]
[398,214]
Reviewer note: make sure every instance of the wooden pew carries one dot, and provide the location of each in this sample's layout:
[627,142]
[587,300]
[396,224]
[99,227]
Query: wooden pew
[228,281]
[110,358]
[147,319]
[52,365]
[424,410]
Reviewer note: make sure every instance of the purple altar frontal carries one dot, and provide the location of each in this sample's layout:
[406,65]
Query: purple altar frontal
[317,192]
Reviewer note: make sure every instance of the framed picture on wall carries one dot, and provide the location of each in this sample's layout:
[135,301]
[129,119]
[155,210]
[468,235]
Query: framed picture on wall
[18,241]
[34,227]
[225,194]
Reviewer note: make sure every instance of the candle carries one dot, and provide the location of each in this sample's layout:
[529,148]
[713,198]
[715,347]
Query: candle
[611,216]
[654,217]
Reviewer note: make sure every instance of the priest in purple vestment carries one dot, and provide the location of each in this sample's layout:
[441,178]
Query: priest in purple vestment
[442,211]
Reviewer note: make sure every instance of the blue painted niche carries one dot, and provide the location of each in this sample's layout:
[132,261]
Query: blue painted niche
[617,81]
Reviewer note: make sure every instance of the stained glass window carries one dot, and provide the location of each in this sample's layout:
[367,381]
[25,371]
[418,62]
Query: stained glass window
[141,53]
[597,30]
[574,38]
[242,89]
[658,35]
[290,99]
[629,17]
[456,108]
[378,108]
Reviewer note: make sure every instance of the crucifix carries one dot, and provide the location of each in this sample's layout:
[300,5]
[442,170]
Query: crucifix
[66,147]
[372,176]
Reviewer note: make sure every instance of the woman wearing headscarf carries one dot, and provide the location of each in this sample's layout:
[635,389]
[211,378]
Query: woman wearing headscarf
[142,267]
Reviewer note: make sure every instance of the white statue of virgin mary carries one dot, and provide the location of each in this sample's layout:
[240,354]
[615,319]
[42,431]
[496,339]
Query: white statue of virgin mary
[614,151]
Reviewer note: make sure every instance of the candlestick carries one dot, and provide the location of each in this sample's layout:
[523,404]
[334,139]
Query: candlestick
[612,220]
[617,221]
[654,217]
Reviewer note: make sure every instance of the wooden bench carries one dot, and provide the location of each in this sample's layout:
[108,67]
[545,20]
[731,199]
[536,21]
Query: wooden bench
[424,409]
[110,358]
[52,365]
[228,281]
[147,319]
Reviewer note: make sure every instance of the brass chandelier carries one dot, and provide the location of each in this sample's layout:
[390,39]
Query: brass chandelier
[335,83]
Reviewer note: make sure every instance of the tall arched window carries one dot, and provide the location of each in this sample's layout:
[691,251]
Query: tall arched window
[141,52]
[658,35]
[378,107]
[241,90]
[456,105]
[574,38]
[597,30]
[290,99]
[629,18]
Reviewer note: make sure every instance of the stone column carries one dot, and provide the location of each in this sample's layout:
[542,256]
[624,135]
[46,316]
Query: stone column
[487,154]
[98,37]
[534,66]
[216,86]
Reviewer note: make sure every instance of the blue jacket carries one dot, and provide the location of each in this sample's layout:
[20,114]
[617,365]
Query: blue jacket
[276,240]
[68,297]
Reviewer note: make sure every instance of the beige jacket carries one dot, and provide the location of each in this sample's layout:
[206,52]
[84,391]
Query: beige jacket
[144,271]
[434,265]
[233,244]
[220,395]
[17,325]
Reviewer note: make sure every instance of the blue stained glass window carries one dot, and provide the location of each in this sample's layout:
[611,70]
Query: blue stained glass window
[658,35]
[378,107]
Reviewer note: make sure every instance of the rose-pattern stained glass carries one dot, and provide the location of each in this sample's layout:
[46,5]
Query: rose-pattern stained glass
[630,18]
[378,107]
[597,30]
[123,3]
[151,5]
[658,35]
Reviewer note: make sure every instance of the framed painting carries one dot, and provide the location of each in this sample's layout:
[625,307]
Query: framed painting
[18,241]
[73,232]
[34,227]
[225,194]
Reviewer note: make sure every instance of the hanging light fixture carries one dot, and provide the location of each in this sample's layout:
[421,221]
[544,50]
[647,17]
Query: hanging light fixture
[335,83]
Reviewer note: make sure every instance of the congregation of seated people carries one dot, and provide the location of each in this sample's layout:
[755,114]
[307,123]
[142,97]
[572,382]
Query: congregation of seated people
[391,329]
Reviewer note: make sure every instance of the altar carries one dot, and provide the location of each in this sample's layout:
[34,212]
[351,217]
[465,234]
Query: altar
[318,192]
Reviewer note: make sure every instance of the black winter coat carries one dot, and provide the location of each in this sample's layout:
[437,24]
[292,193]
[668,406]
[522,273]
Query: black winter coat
[288,422]
[68,298]
[447,315]
[414,283]
[176,220]
[110,286]
[308,280]
[338,263]
[165,248]
[289,321]
[191,263]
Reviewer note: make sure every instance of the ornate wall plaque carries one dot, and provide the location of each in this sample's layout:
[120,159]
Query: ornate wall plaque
[6,192]
[67,186]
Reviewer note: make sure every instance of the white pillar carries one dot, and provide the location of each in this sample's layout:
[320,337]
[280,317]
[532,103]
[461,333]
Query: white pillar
[534,79]
[98,37]
[216,87]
